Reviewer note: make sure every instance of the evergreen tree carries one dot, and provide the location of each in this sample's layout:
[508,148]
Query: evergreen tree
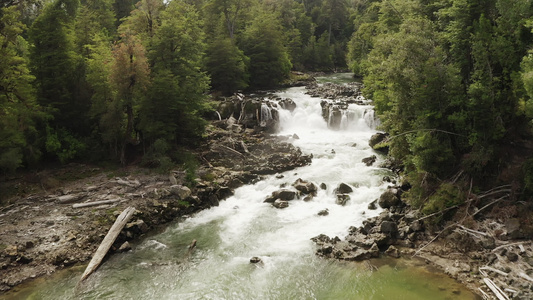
[177,96]
[18,108]
[262,42]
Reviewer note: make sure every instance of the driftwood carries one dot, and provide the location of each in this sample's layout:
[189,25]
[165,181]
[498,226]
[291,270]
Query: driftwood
[494,270]
[495,289]
[507,245]
[525,276]
[94,203]
[66,199]
[108,241]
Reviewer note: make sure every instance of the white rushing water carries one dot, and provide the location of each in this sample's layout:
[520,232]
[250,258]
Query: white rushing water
[243,226]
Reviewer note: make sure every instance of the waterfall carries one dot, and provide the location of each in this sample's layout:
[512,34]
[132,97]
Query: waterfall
[370,118]
[266,114]
[344,120]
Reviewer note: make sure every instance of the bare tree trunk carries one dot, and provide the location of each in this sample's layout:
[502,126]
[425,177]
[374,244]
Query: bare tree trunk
[108,241]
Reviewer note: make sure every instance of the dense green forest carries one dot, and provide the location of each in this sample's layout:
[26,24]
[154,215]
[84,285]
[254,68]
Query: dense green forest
[452,80]
[452,83]
[90,79]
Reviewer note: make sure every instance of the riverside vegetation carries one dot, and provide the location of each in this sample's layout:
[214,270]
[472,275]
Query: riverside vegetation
[128,81]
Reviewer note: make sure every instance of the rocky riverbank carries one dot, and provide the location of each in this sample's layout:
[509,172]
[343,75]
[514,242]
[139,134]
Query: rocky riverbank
[61,226]
[476,247]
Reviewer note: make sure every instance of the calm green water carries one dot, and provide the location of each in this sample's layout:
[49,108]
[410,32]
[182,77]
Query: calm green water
[243,227]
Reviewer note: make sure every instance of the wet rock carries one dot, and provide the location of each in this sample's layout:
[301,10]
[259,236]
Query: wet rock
[374,250]
[376,142]
[369,160]
[342,199]
[283,194]
[308,198]
[137,226]
[343,188]
[372,205]
[323,186]
[390,228]
[124,247]
[389,198]
[280,204]
[305,187]
[255,260]
[323,212]
[393,252]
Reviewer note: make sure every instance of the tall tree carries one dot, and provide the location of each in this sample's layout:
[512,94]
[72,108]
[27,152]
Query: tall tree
[177,96]
[18,108]
[54,62]
[262,42]
[130,79]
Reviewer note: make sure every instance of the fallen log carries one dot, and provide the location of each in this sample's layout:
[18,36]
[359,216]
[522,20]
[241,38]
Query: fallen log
[495,289]
[108,241]
[94,203]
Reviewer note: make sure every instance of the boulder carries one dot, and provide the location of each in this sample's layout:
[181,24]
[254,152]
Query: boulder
[389,228]
[280,204]
[342,199]
[124,247]
[372,205]
[181,191]
[305,187]
[283,194]
[255,260]
[376,139]
[323,212]
[343,188]
[374,250]
[393,252]
[389,198]
[369,160]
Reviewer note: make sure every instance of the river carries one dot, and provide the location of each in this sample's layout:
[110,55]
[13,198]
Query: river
[242,227]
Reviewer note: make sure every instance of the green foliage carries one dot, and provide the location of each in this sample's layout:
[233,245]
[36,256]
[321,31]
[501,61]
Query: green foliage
[447,195]
[527,173]
[176,100]
[64,145]
[262,42]
[227,66]
[54,63]
[19,112]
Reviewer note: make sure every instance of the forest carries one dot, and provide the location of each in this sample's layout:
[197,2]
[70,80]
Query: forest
[85,80]
[452,80]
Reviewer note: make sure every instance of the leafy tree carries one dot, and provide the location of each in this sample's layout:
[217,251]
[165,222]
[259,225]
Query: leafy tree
[226,65]
[414,91]
[18,108]
[263,43]
[54,63]
[177,95]
[130,79]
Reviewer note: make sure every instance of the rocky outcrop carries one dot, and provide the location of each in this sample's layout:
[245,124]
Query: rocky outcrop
[254,112]
[379,143]
[337,97]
